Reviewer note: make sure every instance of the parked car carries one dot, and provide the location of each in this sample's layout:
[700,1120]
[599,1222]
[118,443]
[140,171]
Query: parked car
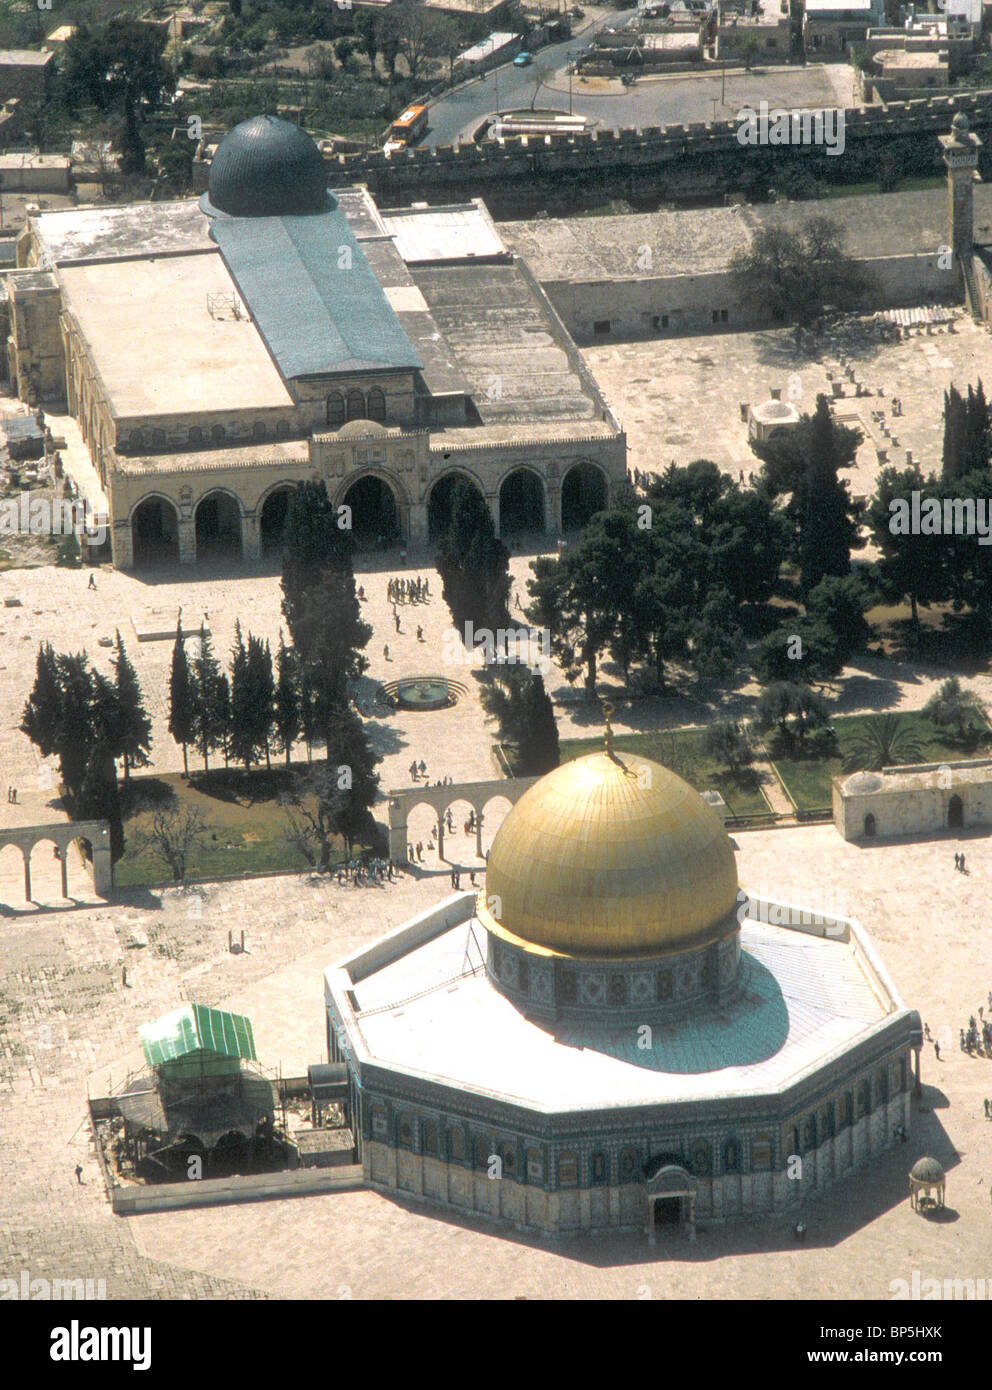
[523,60]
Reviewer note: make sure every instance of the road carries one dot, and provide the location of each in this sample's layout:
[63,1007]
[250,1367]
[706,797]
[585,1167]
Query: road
[650,102]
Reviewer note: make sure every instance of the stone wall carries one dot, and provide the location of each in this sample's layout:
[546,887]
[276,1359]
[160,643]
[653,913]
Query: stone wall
[675,160]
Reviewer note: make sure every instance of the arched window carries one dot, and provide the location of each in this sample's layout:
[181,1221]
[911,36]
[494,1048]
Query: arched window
[509,1157]
[456,1144]
[159,439]
[628,1165]
[535,1165]
[282,428]
[377,404]
[598,1169]
[195,435]
[380,1126]
[702,1159]
[136,440]
[481,1152]
[404,1131]
[258,430]
[731,1156]
[335,408]
[356,405]
[218,433]
[429,1132]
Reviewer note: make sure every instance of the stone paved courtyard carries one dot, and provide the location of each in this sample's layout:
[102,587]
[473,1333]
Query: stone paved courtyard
[67,1028]
[680,398]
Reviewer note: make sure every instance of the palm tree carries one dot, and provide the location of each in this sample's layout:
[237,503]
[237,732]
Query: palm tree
[884,741]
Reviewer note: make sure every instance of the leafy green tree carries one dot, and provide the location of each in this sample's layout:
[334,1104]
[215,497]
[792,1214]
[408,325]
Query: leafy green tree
[794,712]
[794,274]
[367,29]
[728,742]
[114,65]
[885,740]
[799,651]
[954,707]
[839,603]
[912,566]
[349,751]
[182,696]
[517,699]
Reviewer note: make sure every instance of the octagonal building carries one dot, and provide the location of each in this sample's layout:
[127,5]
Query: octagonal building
[613,1034]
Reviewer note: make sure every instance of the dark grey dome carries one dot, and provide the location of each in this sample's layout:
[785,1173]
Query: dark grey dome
[266,167]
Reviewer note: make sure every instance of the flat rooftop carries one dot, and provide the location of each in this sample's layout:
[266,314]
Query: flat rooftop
[503,340]
[157,346]
[804,998]
[117,233]
[464,231]
[702,240]
[24,58]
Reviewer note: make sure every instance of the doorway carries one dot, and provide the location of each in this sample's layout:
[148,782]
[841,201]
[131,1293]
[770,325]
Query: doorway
[955,813]
[667,1211]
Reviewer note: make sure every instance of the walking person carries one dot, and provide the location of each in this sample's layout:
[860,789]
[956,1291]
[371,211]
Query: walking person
[79,1174]
[92,583]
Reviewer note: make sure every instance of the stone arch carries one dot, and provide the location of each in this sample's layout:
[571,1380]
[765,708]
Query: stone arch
[584,492]
[440,497]
[15,870]
[955,812]
[522,501]
[871,827]
[46,871]
[218,525]
[272,509]
[154,525]
[377,508]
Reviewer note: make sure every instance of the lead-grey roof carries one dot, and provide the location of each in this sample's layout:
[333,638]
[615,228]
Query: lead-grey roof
[312,295]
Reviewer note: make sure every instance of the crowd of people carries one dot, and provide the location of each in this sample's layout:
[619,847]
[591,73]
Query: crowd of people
[977,1037]
[415,590]
[360,873]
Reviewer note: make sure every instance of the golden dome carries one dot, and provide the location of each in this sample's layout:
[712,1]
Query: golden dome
[612,856]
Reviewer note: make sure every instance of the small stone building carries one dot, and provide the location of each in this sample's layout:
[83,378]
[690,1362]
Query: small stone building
[921,799]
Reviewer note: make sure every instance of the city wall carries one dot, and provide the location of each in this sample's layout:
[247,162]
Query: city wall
[674,161]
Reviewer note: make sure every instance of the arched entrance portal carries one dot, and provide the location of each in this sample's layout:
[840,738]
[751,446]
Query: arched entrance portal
[955,813]
[272,520]
[869,826]
[521,503]
[583,493]
[155,533]
[442,498]
[374,515]
[218,528]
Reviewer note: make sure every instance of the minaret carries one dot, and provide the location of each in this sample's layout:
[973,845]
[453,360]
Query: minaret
[961,158]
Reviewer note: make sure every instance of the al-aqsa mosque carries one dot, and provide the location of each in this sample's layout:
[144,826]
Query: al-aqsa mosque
[613,1034]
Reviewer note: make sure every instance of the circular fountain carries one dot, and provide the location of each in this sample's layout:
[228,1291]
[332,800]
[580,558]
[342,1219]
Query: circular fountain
[424,692]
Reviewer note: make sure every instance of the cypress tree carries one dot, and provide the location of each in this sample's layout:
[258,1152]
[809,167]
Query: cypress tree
[955,428]
[182,696]
[99,796]
[42,715]
[136,727]
[286,713]
[825,530]
[212,696]
[75,730]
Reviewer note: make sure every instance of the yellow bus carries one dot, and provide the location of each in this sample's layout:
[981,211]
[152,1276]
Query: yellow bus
[409,126]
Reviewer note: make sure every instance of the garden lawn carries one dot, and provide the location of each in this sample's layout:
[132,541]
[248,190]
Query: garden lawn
[808,779]
[681,750]
[245,825]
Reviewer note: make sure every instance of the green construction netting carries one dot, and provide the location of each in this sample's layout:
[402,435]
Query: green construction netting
[196,1028]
